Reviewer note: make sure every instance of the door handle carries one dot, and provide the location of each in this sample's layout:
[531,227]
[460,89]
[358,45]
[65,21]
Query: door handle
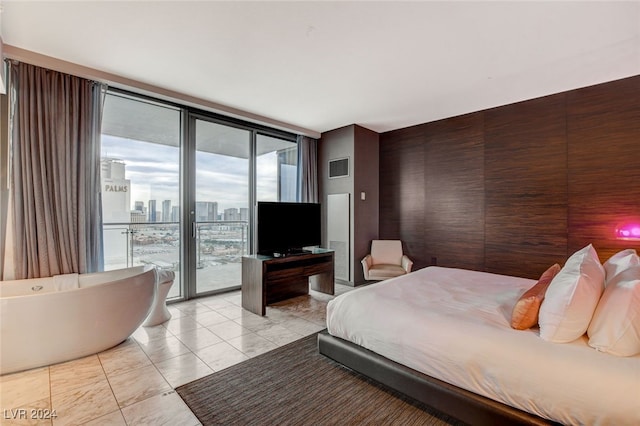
[193,229]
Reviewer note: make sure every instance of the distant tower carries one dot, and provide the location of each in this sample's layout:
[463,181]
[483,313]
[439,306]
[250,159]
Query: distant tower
[175,214]
[231,214]
[166,211]
[152,211]
[116,194]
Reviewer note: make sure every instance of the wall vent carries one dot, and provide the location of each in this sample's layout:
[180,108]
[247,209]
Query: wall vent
[338,168]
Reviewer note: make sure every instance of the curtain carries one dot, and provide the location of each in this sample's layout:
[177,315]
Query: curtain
[307,170]
[55,180]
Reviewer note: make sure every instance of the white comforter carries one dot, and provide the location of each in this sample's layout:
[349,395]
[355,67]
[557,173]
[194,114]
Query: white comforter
[453,325]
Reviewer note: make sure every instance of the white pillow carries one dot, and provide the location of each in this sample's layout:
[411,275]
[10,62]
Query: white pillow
[615,327]
[572,297]
[619,262]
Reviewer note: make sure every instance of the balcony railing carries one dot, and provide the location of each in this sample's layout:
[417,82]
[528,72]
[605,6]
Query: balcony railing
[218,243]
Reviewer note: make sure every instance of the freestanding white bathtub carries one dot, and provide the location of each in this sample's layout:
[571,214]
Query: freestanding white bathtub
[44,321]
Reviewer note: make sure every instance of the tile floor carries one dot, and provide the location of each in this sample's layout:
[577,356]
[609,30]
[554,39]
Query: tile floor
[133,383]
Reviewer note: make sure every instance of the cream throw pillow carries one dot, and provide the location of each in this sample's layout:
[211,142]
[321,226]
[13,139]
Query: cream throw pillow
[525,311]
[615,327]
[572,297]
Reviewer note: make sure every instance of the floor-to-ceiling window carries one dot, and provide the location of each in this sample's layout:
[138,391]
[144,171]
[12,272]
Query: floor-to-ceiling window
[140,174]
[178,187]
[276,168]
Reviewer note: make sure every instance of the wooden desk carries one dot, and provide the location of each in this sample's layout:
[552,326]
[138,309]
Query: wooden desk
[267,280]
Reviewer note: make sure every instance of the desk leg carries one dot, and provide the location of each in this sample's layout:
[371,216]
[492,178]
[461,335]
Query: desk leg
[253,292]
[324,283]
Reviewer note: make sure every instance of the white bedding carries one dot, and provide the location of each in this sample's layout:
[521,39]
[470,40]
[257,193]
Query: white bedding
[453,325]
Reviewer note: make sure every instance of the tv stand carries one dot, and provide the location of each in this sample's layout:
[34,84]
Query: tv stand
[267,279]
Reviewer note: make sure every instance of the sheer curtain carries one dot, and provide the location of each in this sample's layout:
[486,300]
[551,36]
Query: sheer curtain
[307,169]
[55,173]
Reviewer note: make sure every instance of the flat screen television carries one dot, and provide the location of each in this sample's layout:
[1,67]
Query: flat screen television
[285,228]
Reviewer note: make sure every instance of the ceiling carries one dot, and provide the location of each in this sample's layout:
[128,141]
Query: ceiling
[323,65]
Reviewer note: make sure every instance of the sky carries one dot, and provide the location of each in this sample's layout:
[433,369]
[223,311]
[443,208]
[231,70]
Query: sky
[154,173]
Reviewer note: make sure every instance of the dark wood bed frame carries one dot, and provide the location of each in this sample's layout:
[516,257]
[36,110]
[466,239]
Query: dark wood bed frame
[459,403]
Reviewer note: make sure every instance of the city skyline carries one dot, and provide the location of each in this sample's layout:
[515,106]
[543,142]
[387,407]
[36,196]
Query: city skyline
[153,170]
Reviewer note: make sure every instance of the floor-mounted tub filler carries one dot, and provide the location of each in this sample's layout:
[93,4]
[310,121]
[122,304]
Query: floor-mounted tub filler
[44,321]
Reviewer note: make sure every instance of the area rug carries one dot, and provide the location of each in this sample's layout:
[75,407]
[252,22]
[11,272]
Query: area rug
[295,385]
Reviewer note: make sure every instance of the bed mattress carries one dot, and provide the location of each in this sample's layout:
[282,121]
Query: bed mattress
[454,325]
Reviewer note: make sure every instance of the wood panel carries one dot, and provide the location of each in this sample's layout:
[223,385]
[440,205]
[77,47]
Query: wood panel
[526,187]
[402,196]
[559,172]
[603,124]
[454,192]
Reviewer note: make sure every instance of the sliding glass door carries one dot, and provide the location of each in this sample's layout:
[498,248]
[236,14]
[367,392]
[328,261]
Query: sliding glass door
[221,223]
[179,186]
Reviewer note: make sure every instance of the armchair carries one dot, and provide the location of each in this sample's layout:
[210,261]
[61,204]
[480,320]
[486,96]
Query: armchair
[386,260]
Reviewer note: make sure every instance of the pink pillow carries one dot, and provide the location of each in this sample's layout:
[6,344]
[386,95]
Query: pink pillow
[525,311]
[572,297]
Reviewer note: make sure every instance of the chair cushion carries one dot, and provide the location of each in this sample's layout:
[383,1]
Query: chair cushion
[384,271]
[386,252]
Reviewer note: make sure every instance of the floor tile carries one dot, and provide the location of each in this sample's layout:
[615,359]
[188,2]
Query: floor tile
[146,334]
[252,344]
[83,404]
[164,409]
[137,385]
[19,389]
[75,374]
[161,349]
[112,419]
[183,369]
[178,325]
[209,318]
[228,330]
[220,356]
[216,302]
[231,311]
[23,414]
[122,359]
[199,338]
[191,307]
[253,322]
[303,327]
[279,335]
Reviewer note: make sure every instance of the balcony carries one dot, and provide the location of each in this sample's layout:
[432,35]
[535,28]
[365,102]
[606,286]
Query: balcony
[220,246]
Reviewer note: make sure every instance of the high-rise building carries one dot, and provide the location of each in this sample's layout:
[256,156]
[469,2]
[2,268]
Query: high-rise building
[244,214]
[139,206]
[138,216]
[206,211]
[166,211]
[152,211]
[231,214]
[116,195]
[175,214]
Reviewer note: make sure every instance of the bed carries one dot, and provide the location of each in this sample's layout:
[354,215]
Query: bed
[443,337]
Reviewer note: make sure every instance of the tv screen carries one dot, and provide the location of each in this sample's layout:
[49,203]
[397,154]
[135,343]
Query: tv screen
[285,228]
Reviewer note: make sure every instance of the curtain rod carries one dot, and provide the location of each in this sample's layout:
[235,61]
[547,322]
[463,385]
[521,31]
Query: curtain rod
[23,55]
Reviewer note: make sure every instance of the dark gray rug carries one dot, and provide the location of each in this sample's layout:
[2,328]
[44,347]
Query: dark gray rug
[295,385]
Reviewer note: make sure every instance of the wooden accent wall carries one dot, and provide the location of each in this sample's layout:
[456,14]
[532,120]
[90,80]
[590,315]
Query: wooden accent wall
[603,134]
[516,188]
